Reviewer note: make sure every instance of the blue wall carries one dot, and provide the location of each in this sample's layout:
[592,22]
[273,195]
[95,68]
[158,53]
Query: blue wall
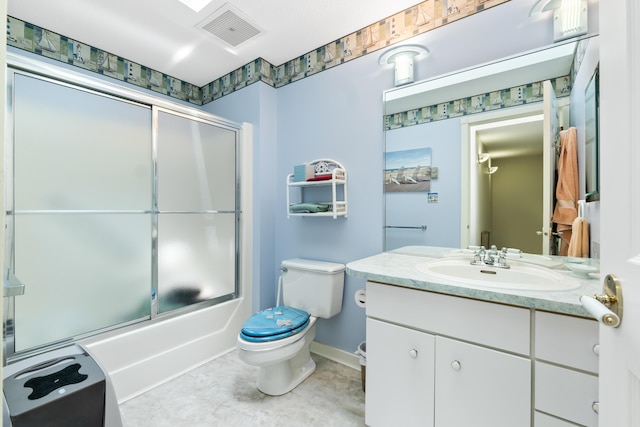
[335,114]
[411,208]
[256,104]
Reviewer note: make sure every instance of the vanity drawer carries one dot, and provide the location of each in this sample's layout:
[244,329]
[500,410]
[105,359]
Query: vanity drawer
[566,393]
[456,317]
[566,340]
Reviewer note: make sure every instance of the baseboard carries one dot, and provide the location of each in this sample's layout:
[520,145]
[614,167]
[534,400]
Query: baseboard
[332,353]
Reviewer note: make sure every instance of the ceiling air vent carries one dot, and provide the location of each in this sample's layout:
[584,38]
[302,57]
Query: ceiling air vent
[229,25]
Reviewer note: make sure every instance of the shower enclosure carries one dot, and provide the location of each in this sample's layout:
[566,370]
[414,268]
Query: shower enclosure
[118,211]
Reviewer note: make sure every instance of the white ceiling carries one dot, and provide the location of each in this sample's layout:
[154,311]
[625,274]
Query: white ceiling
[164,34]
[522,139]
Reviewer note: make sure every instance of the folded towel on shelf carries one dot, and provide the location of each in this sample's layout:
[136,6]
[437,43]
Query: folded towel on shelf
[323,177]
[308,208]
[579,243]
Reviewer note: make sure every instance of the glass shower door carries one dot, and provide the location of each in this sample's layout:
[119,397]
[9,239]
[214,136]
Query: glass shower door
[80,211]
[117,212]
[197,211]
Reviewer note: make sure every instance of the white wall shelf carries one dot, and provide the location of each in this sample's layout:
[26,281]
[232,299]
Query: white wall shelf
[335,176]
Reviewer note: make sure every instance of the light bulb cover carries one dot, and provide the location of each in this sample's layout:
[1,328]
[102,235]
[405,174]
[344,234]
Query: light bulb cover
[483,157]
[402,58]
[570,19]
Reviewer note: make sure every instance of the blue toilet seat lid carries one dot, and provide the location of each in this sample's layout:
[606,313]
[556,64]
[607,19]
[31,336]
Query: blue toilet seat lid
[274,323]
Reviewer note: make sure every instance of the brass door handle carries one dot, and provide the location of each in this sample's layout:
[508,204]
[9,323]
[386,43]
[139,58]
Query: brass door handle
[606,307]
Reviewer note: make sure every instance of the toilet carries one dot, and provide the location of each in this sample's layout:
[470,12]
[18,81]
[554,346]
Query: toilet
[277,339]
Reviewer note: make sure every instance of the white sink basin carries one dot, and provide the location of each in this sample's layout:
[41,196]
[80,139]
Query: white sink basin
[519,277]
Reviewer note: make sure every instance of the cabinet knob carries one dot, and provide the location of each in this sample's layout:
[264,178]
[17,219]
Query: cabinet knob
[413,353]
[456,365]
[596,349]
[596,407]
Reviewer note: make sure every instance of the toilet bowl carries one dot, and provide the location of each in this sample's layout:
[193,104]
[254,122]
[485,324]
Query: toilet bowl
[277,339]
[283,363]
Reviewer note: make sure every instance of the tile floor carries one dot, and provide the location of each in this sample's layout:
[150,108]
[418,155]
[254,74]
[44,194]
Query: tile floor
[223,393]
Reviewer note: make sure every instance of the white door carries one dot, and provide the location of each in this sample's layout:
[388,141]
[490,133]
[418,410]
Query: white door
[549,135]
[620,207]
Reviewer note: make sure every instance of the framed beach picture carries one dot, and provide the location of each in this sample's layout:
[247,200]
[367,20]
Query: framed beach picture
[408,170]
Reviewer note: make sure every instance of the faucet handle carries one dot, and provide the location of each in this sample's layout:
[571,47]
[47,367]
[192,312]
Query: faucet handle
[502,260]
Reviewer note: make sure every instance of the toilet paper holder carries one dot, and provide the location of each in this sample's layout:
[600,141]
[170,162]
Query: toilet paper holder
[361,298]
[606,307]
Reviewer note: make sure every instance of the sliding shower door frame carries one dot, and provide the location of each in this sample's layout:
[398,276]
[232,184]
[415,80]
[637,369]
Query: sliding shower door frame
[156,311]
[55,74]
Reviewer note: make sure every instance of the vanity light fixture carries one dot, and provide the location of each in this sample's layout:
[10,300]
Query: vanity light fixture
[569,16]
[492,169]
[570,19]
[483,157]
[402,58]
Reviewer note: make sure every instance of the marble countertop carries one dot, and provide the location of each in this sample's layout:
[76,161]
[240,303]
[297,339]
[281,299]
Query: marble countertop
[398,267]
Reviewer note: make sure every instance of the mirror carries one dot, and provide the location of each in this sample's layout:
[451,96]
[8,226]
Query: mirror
[591,113]
[454,197]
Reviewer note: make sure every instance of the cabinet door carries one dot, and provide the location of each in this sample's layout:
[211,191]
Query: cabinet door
[477,386]
[400,363]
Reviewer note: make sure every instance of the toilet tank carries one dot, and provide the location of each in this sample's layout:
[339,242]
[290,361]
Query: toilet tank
[313,286]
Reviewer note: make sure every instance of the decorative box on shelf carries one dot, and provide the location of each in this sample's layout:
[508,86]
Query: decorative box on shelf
[326,173]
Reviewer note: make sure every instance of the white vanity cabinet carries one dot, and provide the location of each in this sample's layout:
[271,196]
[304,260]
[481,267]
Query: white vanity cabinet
[438,360]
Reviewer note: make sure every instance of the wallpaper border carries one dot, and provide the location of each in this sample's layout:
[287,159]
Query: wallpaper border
[425,16]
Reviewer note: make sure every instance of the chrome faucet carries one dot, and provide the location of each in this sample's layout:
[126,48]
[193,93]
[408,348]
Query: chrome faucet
[478,256]
[488,258]
[502,259]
